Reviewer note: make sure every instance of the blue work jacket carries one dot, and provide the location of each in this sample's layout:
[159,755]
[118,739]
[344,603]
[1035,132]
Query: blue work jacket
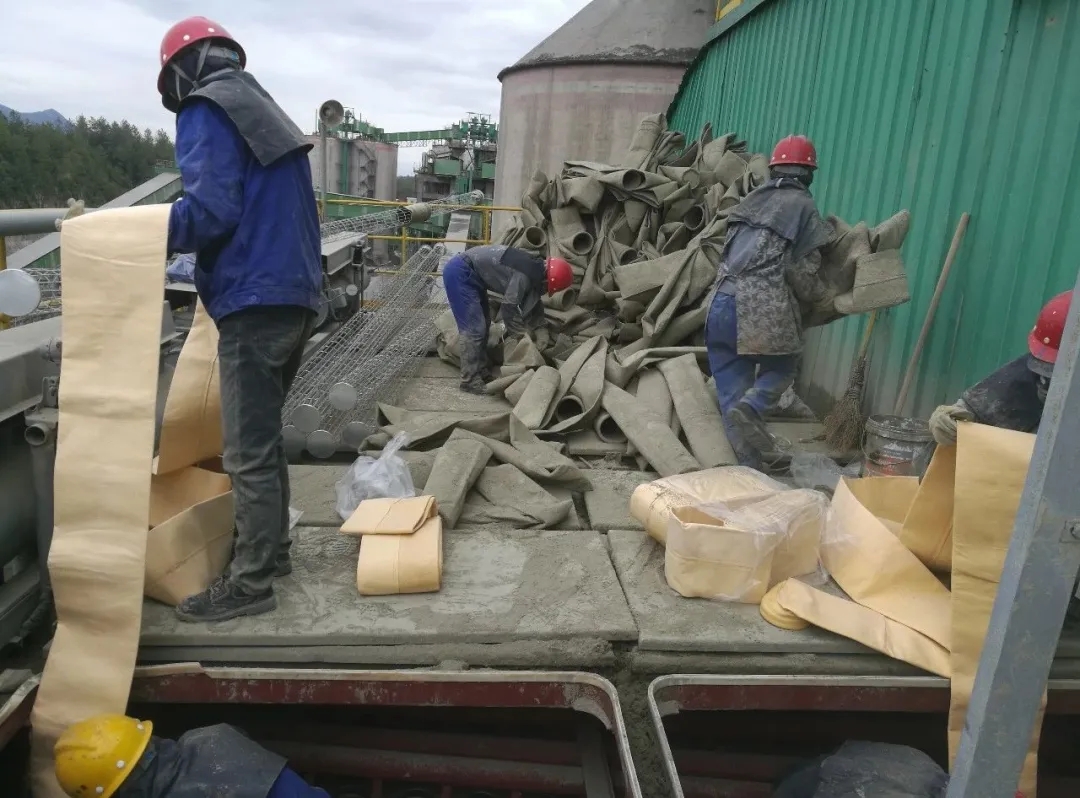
[254,229]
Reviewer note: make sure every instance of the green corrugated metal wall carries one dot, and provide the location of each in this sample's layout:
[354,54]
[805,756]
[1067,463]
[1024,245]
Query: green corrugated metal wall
[936,106]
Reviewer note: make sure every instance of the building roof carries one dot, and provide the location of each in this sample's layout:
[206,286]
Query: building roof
[626,31]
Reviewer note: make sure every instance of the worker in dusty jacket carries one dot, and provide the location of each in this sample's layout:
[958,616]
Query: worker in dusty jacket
[114,756]
[521,278]
[1013,396]
[754,332]
[249,214]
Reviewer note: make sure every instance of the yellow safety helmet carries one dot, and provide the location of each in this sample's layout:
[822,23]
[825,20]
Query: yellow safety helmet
[94,756]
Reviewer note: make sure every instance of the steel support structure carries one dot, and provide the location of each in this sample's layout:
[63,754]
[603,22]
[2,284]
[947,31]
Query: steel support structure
[1036,585]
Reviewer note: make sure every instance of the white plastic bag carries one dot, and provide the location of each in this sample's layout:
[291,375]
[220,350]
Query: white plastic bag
[387,477]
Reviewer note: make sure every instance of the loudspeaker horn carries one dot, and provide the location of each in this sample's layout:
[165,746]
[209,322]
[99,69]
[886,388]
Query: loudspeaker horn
[331,113]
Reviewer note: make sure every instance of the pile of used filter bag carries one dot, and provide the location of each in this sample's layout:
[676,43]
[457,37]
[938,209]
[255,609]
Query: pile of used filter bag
[645,238]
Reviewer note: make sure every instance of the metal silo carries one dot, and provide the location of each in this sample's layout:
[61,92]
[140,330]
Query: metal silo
[580,93]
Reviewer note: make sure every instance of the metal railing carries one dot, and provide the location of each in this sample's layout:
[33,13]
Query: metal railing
[404,238]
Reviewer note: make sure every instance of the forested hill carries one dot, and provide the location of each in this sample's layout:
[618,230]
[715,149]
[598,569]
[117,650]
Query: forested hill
[94,160]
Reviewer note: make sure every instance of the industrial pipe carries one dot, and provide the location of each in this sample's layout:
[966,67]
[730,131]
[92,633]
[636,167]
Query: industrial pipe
[31,221]
[39,433]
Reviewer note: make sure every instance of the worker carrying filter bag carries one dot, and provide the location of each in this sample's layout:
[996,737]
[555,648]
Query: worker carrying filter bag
[249,215]
[114,756]
[521,278]
[1013,396]
[754,330]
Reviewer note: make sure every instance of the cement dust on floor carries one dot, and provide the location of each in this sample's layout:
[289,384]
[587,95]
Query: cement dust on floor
[498,586]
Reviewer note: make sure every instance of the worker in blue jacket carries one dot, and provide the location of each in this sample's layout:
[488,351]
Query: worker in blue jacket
[249,214]
[521,278]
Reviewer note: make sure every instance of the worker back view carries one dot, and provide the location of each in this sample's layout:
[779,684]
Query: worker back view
[753,332]
[520,278]
[249,214]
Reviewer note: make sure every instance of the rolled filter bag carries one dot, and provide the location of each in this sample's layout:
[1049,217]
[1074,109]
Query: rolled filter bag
[695,218]
[568,407]
[535,238]
[608,430]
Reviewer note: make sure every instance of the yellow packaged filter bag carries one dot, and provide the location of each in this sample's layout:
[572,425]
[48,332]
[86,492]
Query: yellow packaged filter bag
[191,533]
[727,553]
[191,426]
[651,503]
[119,533]
[390,516]
[837,614]
[113,264]
[873,567]
[400,545]
[991,468]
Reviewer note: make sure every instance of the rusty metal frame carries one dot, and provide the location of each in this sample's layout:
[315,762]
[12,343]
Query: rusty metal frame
[669,695]
[15,713]
[573,690]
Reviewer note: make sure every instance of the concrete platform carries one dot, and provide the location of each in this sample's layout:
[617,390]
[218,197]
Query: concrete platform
[435,393]
[498,587]
[314,492]
[608,503]
[668,622]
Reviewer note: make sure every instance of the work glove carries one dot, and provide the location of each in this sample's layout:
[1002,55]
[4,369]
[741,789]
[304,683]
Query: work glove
[943,422]
[542,338]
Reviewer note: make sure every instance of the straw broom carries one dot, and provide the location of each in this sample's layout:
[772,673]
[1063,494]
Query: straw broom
[844,424]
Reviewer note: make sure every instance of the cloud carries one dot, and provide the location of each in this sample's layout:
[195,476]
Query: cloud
[400,64]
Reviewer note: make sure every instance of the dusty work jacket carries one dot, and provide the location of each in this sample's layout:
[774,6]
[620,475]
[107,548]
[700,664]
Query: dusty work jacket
[1009,398]
[517,275]
[771,261]
[215,760]
[253,225]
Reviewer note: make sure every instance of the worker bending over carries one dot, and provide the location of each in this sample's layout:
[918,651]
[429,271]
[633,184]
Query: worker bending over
[754,332]
[114,756]
[1013,396]
[249,214]
[520,277]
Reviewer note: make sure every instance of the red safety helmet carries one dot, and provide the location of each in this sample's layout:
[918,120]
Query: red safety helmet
[1045,338]
[794,150]
[185,33]
[560,275]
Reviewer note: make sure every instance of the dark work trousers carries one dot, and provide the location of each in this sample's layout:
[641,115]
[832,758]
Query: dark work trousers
[259,353]
[468,299]
[758,380]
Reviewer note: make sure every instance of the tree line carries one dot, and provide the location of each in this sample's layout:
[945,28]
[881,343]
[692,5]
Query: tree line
[95,160]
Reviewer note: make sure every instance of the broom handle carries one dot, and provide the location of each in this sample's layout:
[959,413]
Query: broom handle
[865,346]
[924,333]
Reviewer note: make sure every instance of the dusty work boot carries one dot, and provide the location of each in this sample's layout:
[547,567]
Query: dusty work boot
[752,427]
[283,564]
[475,385]
[223,600]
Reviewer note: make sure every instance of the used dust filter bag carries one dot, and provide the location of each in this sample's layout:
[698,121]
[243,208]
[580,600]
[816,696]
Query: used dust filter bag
[113,264]
[651,504]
